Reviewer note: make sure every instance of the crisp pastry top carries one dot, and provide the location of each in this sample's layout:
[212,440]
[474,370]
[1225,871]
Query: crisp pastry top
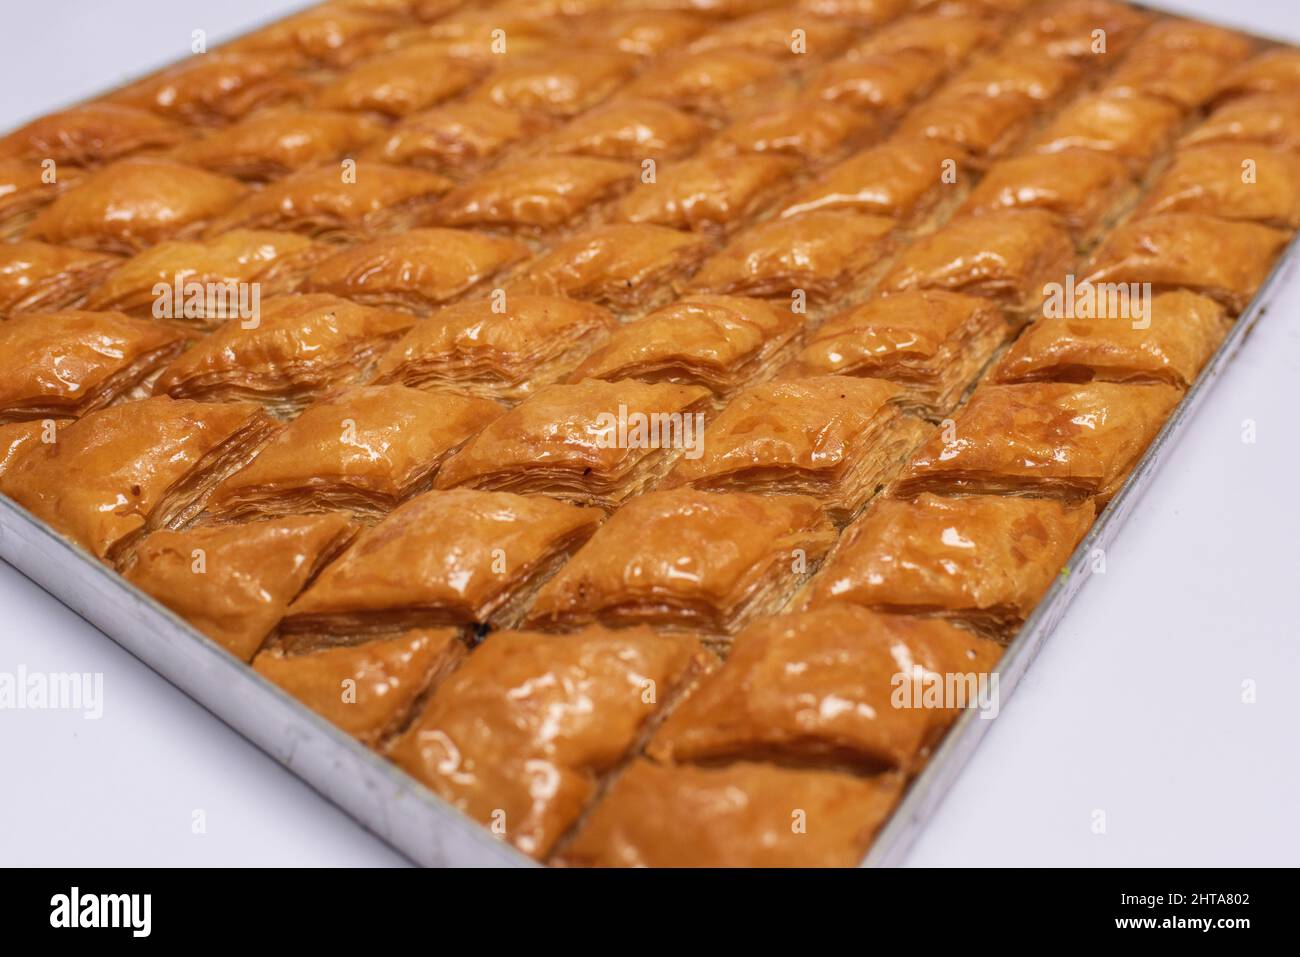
[1269,118]
[1186,77]
[233,583]
[68,363]
[951,38]
[362,449]
[278,141]
[819,252]
[133,203]
[453,139]
[91,134]
[453,556]
[739,815]
[1007,255]
[1070,29]
[387,677]
[622,265]
[1133,128]
[982,559]
[19,438]
[689,559]
[706,82]
[708,192]
[39,277]
[1081,188]
[541,192]
[1169,344]
[1028,75]
[820,686]
[25,189]
[861,13]
[562,83]
[1274,71]
[900,178]
[1231,181]
[217,87]
[812,130]
[1190,36]
[881,85]
[505,352]
[646,33]
[295,348]
[1219,258]
[591,441]
[416,269]
[629,128]
[1069,441]
[713,341]
[967,118]
[276,261]
[779,33]
[519,734]
[128,468]
[331,35]
[338,198]
[400,82]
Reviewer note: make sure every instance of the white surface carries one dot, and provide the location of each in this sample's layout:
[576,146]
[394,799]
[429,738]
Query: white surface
[1134,708]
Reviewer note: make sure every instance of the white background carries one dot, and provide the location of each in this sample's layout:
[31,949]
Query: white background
[1134,708]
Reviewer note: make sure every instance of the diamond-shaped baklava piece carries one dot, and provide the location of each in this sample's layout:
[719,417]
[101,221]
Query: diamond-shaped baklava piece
[234,583]
[822,687]
[949,36]
[1271,119]
[1090,32]
[981,560]
[330,34]
[711,83]
[292,351]
[129,469]
[708,192]
[444,558]
[593,442]
[455,139]
[1231,181]
[19,438]
[881,85]
[719,342]
[1134,129]
[369,689]
[813,131]
[982,125]
[502,353]
[560,83]
[416,270]
[629,128]
[740,815]
[38,277]
[70,363]
[1026,75]
[1041,439]
[779,33]
[931,342]
[689,560]
[91,134]
[1219,258]
[646,33]
[863,14]
[519,736]
[1181,63]
[400,83]
[1274,71]
[218,87]
[363,450]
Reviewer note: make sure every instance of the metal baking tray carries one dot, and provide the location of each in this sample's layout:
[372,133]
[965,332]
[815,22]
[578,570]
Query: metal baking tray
[417,823]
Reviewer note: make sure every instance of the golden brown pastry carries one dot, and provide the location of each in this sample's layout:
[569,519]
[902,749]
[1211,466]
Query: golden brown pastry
[826,254]
[982,125]
[330,34]
[275,142]
[1186,75]
[1274,71]
[501,353]
[881,84]
[91,134]
[1046,439]
[779,34]
[709,83]
[1007,255]
[416,270]
[1084,190]
[707,192]
[342,201]
[480,36]
[860,13]
[719,342]
[218,87]
[130,469]
[812,130]
[559,83]
[294,350]
[593,442]
[65,364]
[900,178]
[951,37]
[536,192]
[203,282]
[1272,119]
[1026,75]
[1135,129]
[631,129]
[822,686]
[38,277]
[400,82]
[455,139]
[1070,30]
[834,438]
[234,583]
[444,558]
[1231,181]
[1169,343]
[931,342]
[981,560]
[741,815]
[369,689]
[19,438]
[136,202]
[646,33]
[1219,258]
[1191,36]
[689,560]
[624,265]
[362,450]
[520,735]
[26,188]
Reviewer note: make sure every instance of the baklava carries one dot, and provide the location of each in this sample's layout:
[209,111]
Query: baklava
[39,277]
